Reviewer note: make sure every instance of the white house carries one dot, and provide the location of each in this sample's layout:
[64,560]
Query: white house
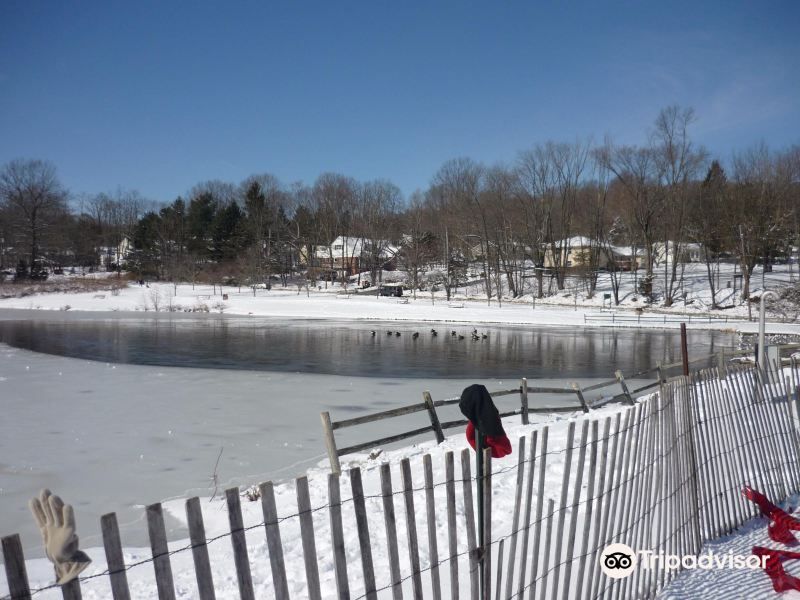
[347,255]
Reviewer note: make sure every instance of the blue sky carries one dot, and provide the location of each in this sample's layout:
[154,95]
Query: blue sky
[158,96]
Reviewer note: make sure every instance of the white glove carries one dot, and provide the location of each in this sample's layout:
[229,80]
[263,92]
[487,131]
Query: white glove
[56,521]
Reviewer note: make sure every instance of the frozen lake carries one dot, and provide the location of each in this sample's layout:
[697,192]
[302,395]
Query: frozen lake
[110,436]
[350,348]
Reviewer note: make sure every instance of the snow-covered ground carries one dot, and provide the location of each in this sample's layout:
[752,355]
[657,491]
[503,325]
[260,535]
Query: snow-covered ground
[744,584]
[689,585]
[216,522]
[467,306]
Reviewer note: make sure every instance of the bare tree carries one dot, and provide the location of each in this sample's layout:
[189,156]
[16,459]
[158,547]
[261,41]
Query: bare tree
[759,210]
[678,162]
[376,220]
[34,202]
[637,171]
[707,225]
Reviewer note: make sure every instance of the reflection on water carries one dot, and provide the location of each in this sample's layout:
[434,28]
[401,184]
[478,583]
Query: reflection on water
[351,349]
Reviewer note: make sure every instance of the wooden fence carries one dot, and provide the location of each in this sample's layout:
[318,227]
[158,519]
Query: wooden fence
[663,475]
[524,391]
[625,317]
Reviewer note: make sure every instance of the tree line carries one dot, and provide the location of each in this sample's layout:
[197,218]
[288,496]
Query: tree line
[509,224]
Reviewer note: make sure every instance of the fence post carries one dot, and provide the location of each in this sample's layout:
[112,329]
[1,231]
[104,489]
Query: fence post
[624,386]
[469,518]
[239,544]
[486,550]
[114,557]
[523,398]
[684,351]
[158,545]
[197,535]
[307,538]
[411,529]
[337,537]
[430,508]
[437,426]
[274,544]
[72,590]
[362,527]
[16,575]
[330,443]
[579,393]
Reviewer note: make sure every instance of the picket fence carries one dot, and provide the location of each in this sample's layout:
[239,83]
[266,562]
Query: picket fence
[664,475]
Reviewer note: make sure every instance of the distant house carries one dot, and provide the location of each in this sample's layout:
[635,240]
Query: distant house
[573,252]
[112,257]
[577,252]
[347,256]
[687,252]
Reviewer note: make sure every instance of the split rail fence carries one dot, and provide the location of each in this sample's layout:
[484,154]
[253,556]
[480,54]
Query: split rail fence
[664,475]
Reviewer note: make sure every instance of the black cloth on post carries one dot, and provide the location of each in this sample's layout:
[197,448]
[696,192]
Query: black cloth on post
[477,405]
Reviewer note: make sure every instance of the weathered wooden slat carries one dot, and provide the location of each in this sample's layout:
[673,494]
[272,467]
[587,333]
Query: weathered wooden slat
[548,536]
[581,399]
[71,590]
[609,504]
[362,526]
[549,390]
[452,424]
[512,549]
[486,551]
[499,585]
[307,538]
[562,508]
[592,507]
[526,528]
[509,413]
[14,562]
[446,402]
[330,442]
[114,557]
[430,510]
[435,425]
[500,393]
[644,387]
[469,519]
[411,528]
[386,440]
[523,400]
[601,385]
[573,518]
[197,535]
[634,491]
[274,545]
[158,545]
[379,416]
[239,544]
[603,401]
[452,536]
[624,387]
[391,531]
[337,537]
[537,528]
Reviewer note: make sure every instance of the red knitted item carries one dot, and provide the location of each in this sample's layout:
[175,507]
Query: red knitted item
[501,446]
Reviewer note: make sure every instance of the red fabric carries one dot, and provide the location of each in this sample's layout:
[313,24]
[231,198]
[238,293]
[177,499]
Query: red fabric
[500,445]
[781,524]
[781,580]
